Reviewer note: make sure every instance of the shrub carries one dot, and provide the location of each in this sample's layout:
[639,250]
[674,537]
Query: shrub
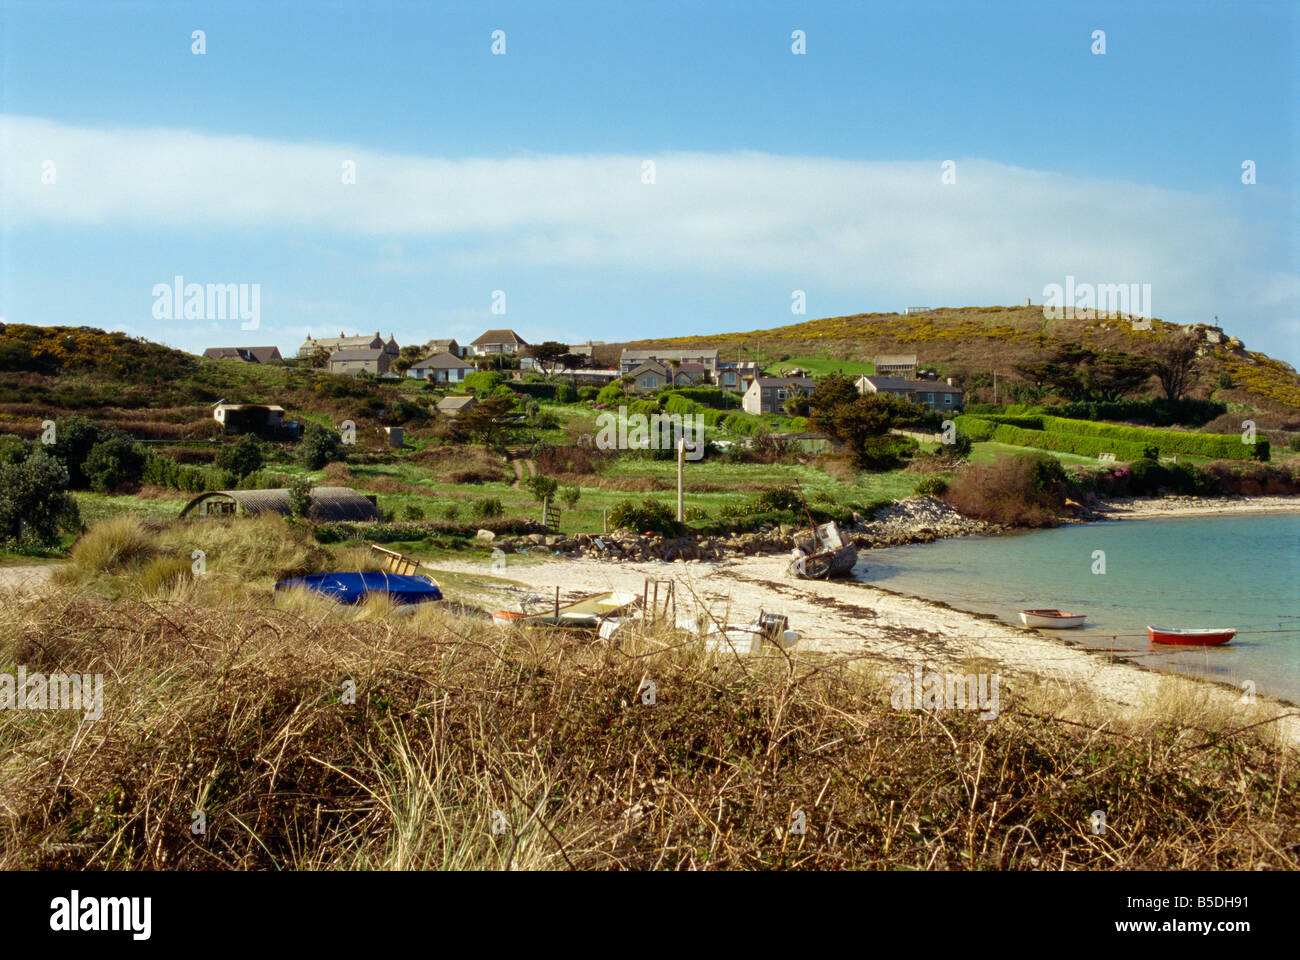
[588,393]
[412,512]
[113,462]
[112,545]
[777,498]
[318,446]
[299,496]
[13,448]
[1021,491]
[241,457]
[483,382]
[451,512]
[565,394]
[487,507]
[612,394]
[887,452]
[648,515]
[34,500]
[932,485]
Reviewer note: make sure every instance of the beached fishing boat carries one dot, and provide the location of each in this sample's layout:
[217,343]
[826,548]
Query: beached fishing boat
[1211,637]
[350,588]
[1051,619]
[585,614]
[822,552]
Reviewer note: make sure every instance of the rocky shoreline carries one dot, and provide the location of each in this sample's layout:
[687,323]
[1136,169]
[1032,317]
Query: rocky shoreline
[920,520]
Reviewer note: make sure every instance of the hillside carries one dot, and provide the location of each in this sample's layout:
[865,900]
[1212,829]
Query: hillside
[968,343]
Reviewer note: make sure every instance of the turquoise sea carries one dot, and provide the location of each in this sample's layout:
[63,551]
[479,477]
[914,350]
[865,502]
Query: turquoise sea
[1213,571]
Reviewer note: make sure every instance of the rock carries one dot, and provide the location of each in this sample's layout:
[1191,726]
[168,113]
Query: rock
[487,536]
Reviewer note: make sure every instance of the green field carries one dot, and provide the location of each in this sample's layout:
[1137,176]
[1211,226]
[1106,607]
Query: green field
[820,366]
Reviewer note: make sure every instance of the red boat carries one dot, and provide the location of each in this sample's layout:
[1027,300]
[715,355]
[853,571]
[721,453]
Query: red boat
[1191,638]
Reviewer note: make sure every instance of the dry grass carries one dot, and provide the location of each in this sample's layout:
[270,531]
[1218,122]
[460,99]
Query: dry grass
[470,747]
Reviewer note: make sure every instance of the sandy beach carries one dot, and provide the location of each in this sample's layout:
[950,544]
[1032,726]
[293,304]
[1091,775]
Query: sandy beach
[859,620]
[1138,509]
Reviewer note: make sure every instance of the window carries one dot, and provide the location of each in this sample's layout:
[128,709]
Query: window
[780,394]
[947,398]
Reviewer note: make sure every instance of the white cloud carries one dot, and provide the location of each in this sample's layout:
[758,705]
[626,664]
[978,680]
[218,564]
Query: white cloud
[997,235]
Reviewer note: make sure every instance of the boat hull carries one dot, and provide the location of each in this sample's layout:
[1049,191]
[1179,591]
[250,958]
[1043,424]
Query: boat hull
[822,553]
[1190,638]
[585,614]
[1051,619]
[352,588]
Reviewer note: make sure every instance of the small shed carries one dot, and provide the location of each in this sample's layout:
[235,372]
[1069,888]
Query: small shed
[248,417]
[327,503]
[455,406]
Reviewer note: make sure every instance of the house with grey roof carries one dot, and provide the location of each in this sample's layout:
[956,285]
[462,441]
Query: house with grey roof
[768,394]
[440,367]
[629,360]
[245,354]
[333,344]
[934,394]
[354,360]
[444,346]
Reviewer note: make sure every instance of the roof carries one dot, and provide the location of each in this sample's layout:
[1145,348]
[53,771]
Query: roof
[897,359]
[911,386]
[455,403]
[500,336]
[442,361]
[802,382]
[253,354]
[358,353]
[441,344]
[661,353]
[329,503]
[649,366]
[248,406]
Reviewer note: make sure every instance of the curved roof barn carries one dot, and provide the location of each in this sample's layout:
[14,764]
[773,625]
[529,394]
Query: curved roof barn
[328,503]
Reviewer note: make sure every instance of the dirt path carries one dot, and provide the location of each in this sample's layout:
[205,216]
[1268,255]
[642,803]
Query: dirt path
[516,465]
[27,576]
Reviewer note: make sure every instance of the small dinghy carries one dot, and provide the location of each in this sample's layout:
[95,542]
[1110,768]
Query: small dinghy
[749,638]
[822,552]
[350,588]
[1051,619]
[1212,637]
[585,614]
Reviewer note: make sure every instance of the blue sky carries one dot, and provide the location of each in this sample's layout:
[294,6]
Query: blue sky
[774,172]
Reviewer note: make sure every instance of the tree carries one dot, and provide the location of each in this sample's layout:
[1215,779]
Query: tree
[300,496]
[541,487]
[34,500]
[241,457]
[483,382]
[73,439]
[407,356]
[796,403]
[1113,375]
[1176,364]
[484,422]
[318,446]
[548,354]
[319,358]
[113,462]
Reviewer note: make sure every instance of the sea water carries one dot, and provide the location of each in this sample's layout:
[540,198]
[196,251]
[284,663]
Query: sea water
[1187,572]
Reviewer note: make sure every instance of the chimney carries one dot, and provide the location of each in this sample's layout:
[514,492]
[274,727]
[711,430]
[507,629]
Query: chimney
[1027,303]
[950,383]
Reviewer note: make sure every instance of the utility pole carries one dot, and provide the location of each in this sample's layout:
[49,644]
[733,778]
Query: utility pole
[681,466]
[995,388]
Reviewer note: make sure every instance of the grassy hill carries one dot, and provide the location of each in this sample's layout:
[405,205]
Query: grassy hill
[969,341]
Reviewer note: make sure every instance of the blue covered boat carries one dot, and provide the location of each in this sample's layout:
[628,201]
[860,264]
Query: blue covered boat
[355,587]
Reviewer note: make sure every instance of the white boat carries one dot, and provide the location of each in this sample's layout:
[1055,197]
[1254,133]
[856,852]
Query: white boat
[588,613]
[1051,619]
